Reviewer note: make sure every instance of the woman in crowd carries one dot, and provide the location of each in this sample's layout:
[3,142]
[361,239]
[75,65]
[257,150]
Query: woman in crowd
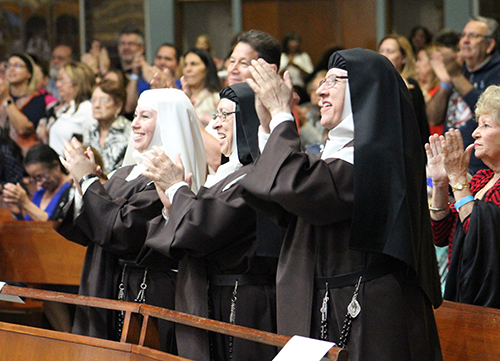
[110,219]
[398,50]
[74,114]
[357,265]
[111,134]
[429,84]
[53,182]
[203,42]
[469,225]
[201,83]
[420,37]
[22,105]
[293,59]
[219,240]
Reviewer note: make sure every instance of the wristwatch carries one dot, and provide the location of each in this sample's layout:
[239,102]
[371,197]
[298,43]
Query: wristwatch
[459,186]
[7,102]
[85,177]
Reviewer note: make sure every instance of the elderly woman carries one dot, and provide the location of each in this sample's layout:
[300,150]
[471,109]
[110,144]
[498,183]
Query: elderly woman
[470,224]
[74,113]
[220,241]
[110,219]
[358,244]
[22,105]
[111,135]
[54,186]
[398,50]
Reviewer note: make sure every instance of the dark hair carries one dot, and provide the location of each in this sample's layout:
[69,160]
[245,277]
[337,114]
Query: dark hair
[45,155]
[427,33]
[121,78]
[212,81]
[289,37]
[114,90]
[130,29]
[266,45]
[177,52]
[448,38]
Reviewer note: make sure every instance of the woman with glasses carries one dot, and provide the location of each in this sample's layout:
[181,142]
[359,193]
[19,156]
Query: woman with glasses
[357,266]
[227,252]
[22,106]
[53,187]
[73,115]
[111,134]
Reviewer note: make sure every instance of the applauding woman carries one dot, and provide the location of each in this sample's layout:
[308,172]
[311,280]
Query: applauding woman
[470,224]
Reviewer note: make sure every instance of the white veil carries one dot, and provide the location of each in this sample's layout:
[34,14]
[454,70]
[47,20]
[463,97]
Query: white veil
[177,131]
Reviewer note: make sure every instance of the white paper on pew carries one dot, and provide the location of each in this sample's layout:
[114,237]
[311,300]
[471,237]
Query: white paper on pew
[9,298]
[300,348]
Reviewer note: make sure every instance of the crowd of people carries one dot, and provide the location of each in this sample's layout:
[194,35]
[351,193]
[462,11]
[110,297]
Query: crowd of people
[264,191]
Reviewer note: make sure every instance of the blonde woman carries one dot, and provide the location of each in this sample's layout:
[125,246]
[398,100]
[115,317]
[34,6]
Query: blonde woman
[73,115]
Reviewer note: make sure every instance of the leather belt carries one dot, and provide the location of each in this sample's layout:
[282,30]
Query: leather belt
[243,280]
[368,274]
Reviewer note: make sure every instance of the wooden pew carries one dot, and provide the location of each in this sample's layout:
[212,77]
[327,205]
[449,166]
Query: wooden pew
[468,332]
[34,253]
[141,335]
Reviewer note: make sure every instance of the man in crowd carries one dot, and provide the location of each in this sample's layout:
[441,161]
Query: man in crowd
[61,55]
[461,85]
[168,57]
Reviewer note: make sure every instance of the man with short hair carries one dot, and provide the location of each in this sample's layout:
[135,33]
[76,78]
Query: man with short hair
[252,45]
[168,57]
[61,55]
[131,54]
[461,86]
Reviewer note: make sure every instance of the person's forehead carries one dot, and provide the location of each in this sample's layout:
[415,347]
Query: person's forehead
[476,26]
[336,71]
[62,51]
[166,51]
[244,50]
[130,37]
[226,104]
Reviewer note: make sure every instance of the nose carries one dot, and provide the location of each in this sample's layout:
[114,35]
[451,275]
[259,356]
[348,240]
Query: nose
[321,90]
[475,133]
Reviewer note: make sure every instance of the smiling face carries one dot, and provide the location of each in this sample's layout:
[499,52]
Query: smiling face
[487,140]
[332,100]
[17,72]
[143,127]
[239,62]
[194,71]
[423,69]
[44,177]
[165,58]
[225,129]
[391,50]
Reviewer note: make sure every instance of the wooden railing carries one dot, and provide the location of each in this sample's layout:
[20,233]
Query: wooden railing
[140,320]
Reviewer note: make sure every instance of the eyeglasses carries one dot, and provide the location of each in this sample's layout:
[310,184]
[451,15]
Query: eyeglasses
[331,79]
[102,101]
[40,177]
[128,43]
[473,35]
[63,81]
[15,66]
[222,116]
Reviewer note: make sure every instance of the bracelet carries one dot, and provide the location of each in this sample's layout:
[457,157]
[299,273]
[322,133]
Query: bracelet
[445,86]
[463,201]
[86,177]
[434,209]
[133,76]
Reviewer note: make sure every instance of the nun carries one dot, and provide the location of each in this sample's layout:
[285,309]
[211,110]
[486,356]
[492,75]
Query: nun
[110,219]
[358,244]
[227,252]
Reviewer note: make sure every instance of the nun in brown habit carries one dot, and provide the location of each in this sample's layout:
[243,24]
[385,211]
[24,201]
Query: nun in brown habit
[227,252]
[357,265]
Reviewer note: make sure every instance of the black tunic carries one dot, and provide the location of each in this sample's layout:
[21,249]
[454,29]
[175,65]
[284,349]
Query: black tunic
[214,233]
[112,224]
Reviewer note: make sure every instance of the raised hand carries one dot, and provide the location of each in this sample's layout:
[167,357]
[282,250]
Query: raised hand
[274,93]
[77,160]
[162,170]
[456,159]
[435,160]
